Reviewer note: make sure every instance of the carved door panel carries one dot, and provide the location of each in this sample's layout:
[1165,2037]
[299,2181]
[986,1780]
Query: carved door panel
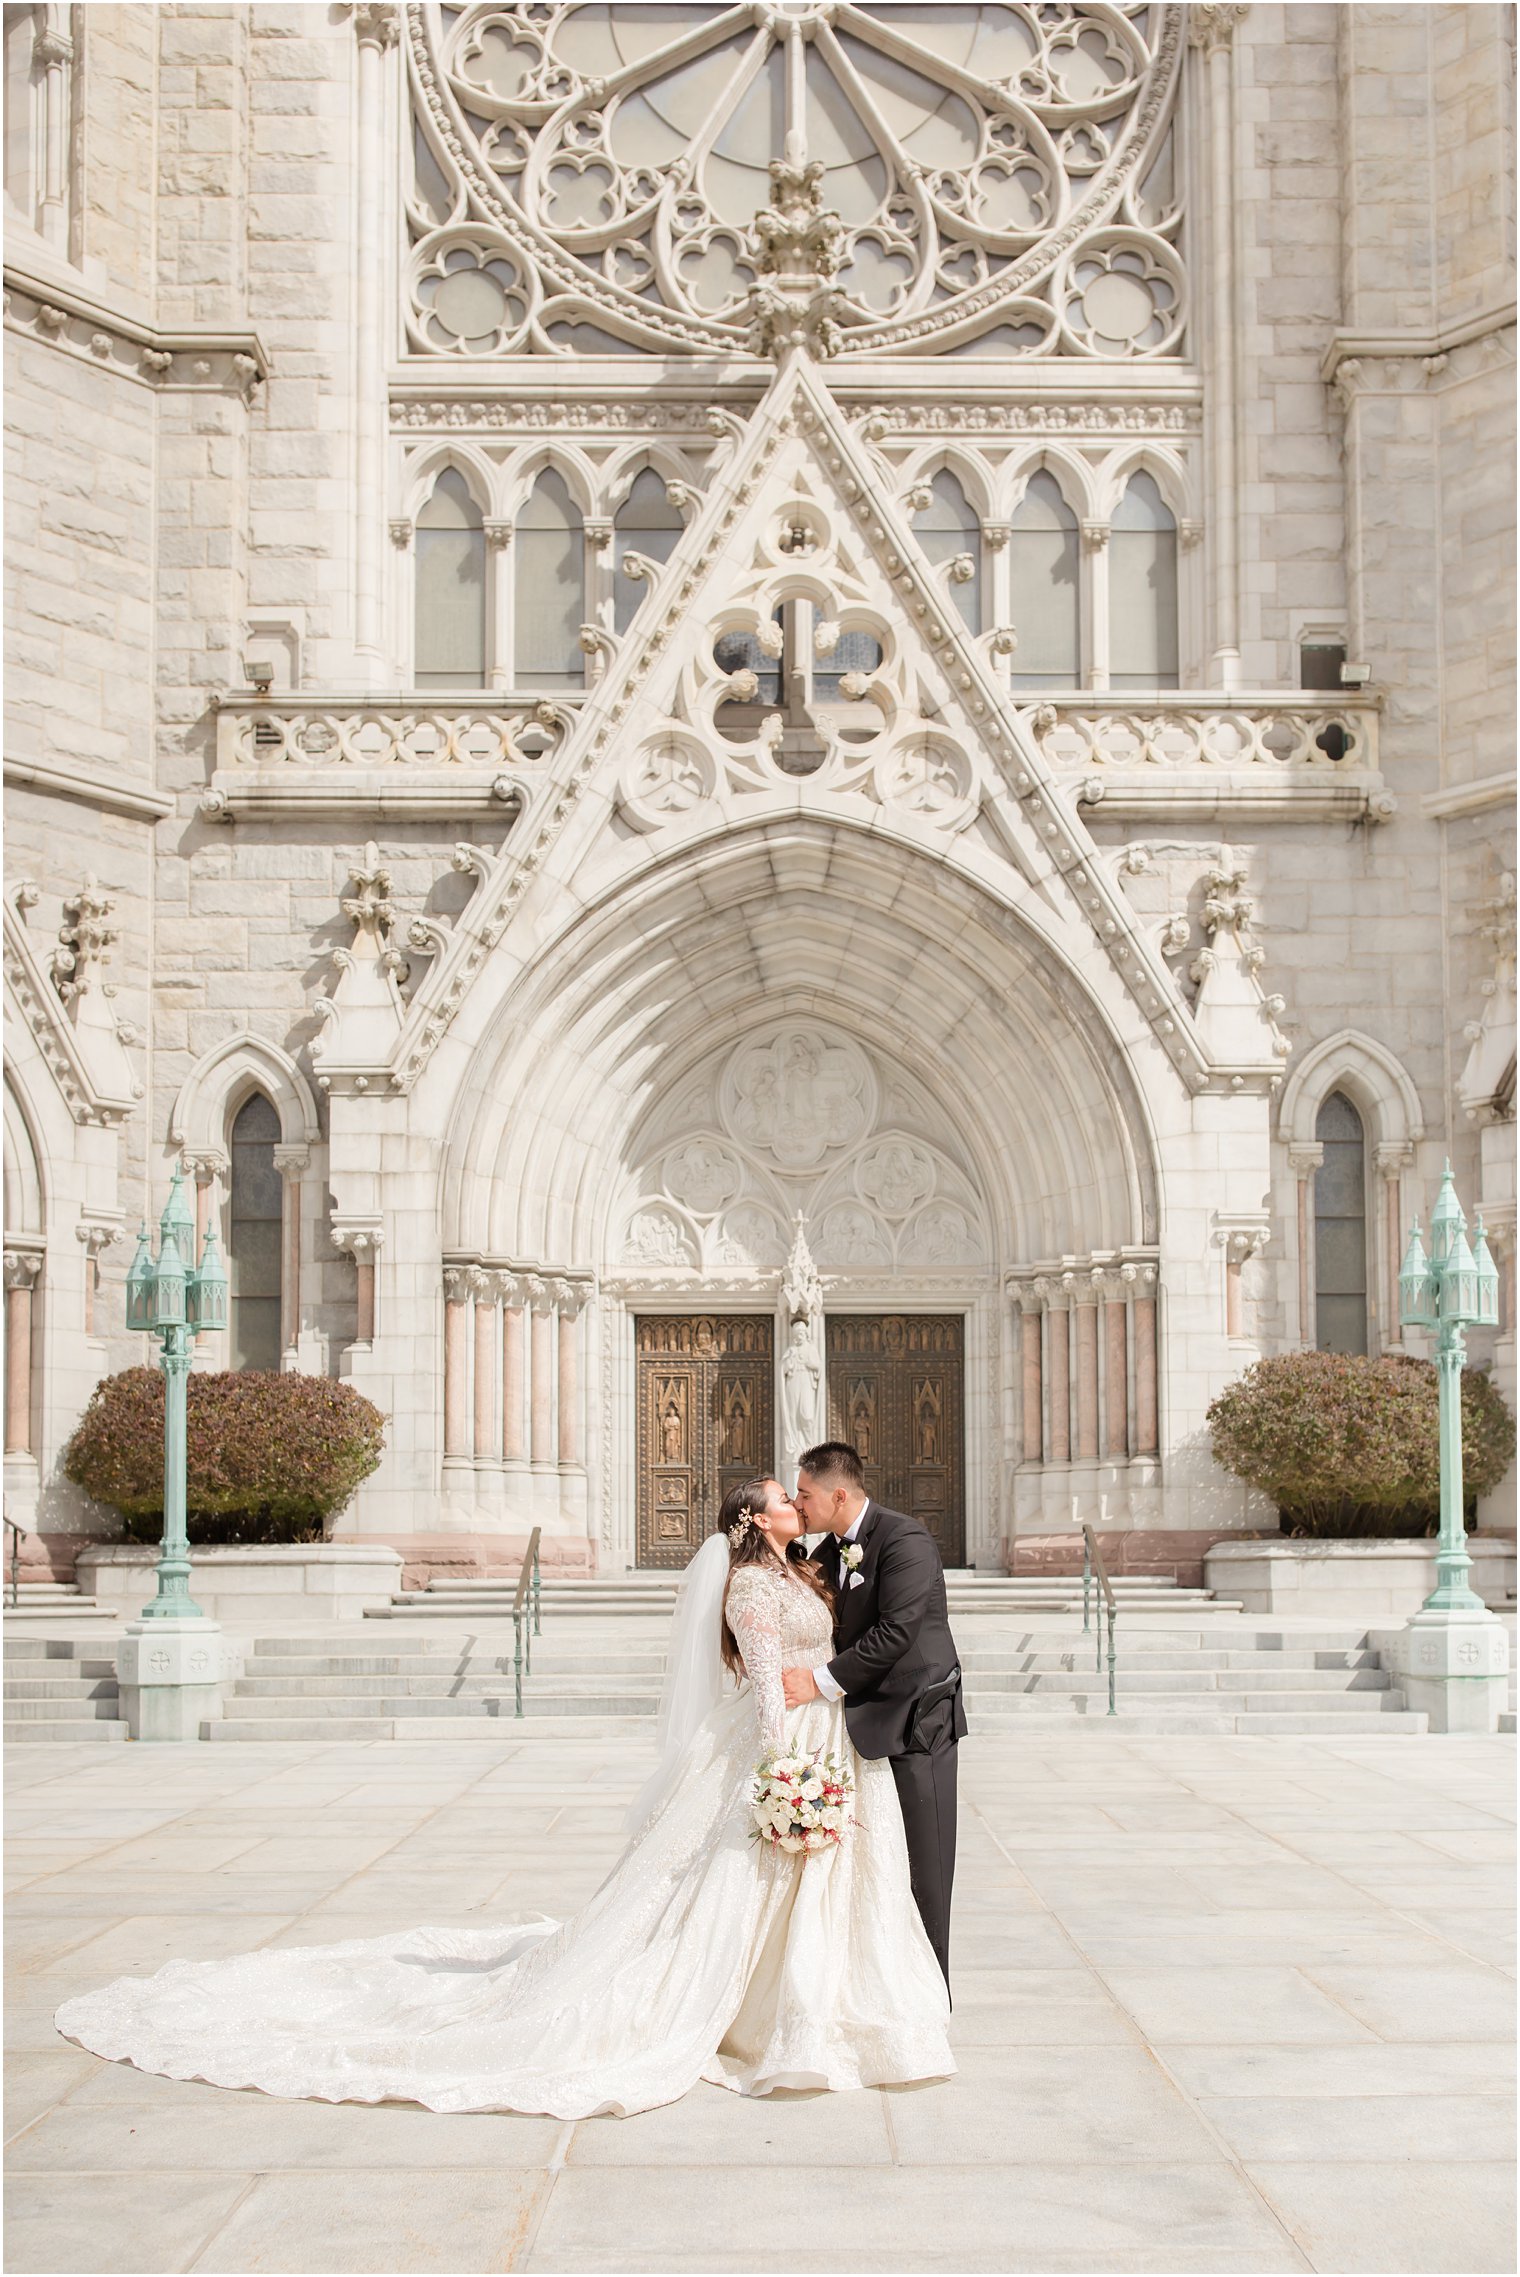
[896,1392]
[705,1400]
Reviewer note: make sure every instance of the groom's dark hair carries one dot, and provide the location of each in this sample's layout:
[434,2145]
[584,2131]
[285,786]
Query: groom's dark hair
[836,1461]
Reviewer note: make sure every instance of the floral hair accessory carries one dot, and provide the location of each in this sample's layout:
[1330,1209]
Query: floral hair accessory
[741,1526]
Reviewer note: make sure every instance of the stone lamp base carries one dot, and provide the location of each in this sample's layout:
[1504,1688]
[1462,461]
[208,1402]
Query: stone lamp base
[1453,1665]
[170,1676]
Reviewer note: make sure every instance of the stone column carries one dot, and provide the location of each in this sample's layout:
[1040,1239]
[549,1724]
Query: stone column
[1211,29]
[97,1234]
[572,1297]
[1147,1419]
[512,1441]
[1241,1244]
[1057,1370]
[1115,1369]
[1392,1160]
[456,1363]
[376,24]
[53,50]
[1095,632]
[1304,1161]
[22,1267]
[541,1394]
[1085,1303]
[362,1243]
[1031,1324]
[212,1172]
[483,1294]
[292,1162]
[499,662]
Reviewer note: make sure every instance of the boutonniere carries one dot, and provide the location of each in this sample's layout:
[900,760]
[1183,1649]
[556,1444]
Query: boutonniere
[851,1556]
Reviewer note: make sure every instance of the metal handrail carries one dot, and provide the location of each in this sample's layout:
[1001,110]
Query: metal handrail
[526,1611]
[1094,1568]
[14,1583]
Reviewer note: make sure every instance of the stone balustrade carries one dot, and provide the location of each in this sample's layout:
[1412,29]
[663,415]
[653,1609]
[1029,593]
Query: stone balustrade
[409,754]
[1134,752]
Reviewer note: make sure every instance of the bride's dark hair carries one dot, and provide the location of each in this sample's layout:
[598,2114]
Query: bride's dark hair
[748,1546]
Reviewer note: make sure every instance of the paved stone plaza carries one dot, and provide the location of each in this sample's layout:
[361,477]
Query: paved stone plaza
[1222,2004]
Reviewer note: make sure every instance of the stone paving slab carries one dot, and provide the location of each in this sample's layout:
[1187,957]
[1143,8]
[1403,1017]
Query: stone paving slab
[1221,2004]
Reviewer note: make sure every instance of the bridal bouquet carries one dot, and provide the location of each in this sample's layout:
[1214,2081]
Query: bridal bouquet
[801,1802]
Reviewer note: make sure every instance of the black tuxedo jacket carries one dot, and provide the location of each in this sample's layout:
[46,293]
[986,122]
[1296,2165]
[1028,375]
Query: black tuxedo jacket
[892,1641]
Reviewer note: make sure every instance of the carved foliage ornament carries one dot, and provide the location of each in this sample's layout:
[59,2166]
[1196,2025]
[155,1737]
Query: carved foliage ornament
[596,180]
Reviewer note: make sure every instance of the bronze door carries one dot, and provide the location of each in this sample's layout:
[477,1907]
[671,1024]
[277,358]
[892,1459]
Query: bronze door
[705,1394]
[895,1392]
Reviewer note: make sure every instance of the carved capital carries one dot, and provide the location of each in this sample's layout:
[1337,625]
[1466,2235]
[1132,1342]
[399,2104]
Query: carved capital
[1212,24]
[1094,536]
[98,1234]
[207,1165]
[498,535]
[22,1267]
[377,23]
[292,1162]
[401,533]
[1304,1160]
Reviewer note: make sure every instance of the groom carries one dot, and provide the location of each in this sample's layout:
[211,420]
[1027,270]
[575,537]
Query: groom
[895,1663]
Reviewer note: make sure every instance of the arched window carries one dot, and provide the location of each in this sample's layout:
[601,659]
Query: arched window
[253,1246]
[947,529]
[1340,1229]
[1142,589]
[1045,567]
[646,523]
[550,588]
[451,587]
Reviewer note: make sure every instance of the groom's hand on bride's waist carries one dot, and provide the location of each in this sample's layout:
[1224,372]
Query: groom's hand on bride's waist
[800,1686]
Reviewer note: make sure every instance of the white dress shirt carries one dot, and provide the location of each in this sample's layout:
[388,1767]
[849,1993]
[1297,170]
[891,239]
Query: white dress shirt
[829,1687]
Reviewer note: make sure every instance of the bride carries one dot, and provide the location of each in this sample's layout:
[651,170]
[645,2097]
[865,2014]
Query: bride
[704,1954]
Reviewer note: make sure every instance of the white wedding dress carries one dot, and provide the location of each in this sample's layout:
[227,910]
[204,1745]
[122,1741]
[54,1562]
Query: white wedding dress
[703,1955]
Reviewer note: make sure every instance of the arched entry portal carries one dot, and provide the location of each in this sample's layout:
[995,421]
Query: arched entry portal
[809,1020]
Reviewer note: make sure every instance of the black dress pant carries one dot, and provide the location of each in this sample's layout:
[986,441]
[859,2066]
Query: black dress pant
[926,1790]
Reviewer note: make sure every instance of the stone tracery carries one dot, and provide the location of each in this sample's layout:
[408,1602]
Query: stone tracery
[995,178]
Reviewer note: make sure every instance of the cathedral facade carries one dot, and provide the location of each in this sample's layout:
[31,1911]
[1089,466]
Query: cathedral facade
[755,717]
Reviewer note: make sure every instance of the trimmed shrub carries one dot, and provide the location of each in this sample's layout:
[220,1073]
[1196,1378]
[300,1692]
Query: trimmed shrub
[270,1456]
[1345,1445]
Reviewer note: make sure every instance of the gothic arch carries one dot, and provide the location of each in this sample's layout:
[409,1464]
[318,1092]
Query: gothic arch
[1163,466]
[1071,474]
[1377,1084]
[964,997]
[576,472]
[479,475]
[221,1080]
[25,1160]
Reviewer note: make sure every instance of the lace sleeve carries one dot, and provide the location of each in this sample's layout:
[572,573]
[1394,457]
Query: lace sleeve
[754,1615]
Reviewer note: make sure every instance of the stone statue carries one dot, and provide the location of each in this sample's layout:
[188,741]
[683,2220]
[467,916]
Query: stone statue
[804,1390]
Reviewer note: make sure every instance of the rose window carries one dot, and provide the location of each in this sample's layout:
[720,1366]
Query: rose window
[586,176]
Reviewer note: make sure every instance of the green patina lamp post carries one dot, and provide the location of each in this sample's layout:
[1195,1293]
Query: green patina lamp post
[171,1298]
[1455,1288]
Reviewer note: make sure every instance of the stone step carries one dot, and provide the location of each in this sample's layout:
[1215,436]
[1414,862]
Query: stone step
[488,1684]
[60,1687]
[982,1684]
[90,1655]
[376,1727]
[1335,1705]
[1151,1722]
[31,1731]
[74,1707]
[478,1706]
[34,1606]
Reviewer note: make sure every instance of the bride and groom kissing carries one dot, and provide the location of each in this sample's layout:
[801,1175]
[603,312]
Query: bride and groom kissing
[705,1954]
